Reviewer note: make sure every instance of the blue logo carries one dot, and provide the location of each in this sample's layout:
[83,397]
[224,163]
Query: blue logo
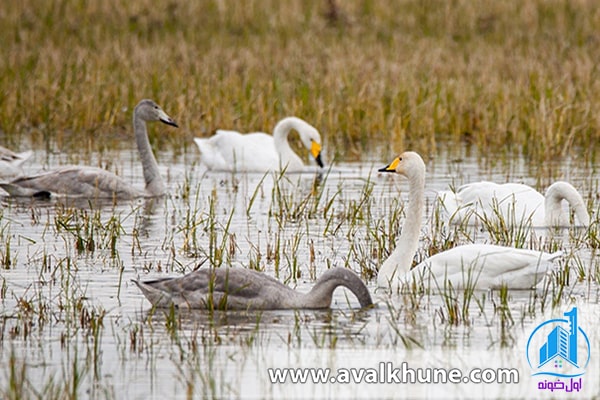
[559,350]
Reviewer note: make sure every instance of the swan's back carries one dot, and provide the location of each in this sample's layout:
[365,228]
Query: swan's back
[483,266]
[513,202]
[72,180]
[219,288]
[233,151]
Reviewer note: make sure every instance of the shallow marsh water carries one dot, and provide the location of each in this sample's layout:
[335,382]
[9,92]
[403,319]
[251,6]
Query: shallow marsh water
[72,324]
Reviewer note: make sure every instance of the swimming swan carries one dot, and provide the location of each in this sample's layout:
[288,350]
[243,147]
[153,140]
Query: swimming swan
[260,152]
[513,202]
[476,266]
[235,288]
[10,162]
[91,182]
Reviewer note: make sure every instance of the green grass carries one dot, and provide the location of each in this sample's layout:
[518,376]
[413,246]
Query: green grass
[65,336]
[510,77]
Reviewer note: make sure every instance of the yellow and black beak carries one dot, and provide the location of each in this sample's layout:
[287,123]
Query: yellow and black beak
[391,167]
[315,150]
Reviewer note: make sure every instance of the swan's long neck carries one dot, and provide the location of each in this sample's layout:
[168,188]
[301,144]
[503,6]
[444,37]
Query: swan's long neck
[555,194]
[321,294]
[154,182]
[287,156]
[400,261]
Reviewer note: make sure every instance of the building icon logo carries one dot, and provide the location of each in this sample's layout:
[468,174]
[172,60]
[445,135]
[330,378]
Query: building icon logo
[559,349]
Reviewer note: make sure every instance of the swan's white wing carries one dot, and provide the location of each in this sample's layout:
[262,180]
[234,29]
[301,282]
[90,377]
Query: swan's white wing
[210,154]
[468,202]
[521,203]
[484,266]
[513,202]
[232,151]
[451,206]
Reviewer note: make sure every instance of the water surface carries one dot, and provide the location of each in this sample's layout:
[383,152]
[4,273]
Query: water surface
[72,321]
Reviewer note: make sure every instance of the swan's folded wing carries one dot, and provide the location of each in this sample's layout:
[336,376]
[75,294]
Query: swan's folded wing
[232,151]
[217,288]
[514,203]
[71,180]
[449,204]
[479,194]
[469,201]
[489,266]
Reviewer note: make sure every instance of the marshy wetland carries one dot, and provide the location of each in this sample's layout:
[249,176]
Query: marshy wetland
[498,91]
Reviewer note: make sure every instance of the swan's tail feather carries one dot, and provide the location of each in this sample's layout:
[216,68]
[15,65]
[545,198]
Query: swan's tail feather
[22,157]
[157,297]
[19,191]
[201,143]
[552,266]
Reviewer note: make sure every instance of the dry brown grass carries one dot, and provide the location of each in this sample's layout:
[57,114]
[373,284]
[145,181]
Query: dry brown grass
[507,77]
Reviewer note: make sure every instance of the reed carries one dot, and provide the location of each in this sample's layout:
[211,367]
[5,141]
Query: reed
[509,77]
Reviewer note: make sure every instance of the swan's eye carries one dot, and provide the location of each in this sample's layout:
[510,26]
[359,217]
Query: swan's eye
[400,158]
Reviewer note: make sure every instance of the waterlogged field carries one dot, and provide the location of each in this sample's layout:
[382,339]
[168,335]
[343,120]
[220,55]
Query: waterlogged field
[502,91]
[72,325]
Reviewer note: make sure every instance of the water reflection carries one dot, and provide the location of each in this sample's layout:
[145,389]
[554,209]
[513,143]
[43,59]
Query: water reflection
[265,322]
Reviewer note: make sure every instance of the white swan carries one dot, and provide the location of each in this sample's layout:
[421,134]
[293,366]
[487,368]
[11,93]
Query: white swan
[513,203]
[10,162]
[235,288]
[260,152]
[478,266]
[91,182]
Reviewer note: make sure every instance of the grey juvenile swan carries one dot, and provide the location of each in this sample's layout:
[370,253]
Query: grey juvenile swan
[235,288]
[91,182]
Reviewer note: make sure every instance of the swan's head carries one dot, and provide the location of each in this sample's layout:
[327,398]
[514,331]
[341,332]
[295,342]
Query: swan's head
[309,135]
[311,139]
[148,110]
[409,164]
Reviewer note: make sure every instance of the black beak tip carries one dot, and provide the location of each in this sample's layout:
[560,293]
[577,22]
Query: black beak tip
[384,169]
[170,122]
[319,161]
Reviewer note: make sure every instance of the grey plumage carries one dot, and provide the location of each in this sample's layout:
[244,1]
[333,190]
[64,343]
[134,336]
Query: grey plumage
[91,182]
[243,289]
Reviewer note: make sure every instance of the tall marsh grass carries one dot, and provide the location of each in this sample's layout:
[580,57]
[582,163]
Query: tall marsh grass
[510,77]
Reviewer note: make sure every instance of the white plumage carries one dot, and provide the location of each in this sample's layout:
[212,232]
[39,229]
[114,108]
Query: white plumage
[479,266]
[11,162]
[514,203]
[259,152]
